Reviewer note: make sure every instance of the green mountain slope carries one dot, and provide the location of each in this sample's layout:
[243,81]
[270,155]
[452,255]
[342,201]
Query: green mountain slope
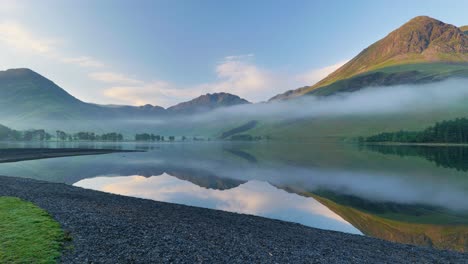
[25,94]
[422,40]
[419,73]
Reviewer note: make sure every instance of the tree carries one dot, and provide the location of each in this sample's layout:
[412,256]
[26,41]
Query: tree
[61,135]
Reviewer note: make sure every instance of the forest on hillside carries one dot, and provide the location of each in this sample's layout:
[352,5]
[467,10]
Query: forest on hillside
[449,131]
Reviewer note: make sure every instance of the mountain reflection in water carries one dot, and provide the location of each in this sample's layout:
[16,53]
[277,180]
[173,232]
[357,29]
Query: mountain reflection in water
[253,197]
[409,195]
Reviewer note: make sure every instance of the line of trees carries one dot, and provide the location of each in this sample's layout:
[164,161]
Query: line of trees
[152,137]
[28,135]
[41,135]
[88,136]
[450,131]
[148,137]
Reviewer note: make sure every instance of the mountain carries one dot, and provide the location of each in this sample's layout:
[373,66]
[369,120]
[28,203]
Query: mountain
[207,102]
[27,95]
[464,29]
[422,50]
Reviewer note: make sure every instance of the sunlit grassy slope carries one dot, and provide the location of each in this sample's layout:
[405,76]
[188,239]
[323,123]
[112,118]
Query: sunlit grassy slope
[414,73]
[27,233]
[464,29]
[422,40]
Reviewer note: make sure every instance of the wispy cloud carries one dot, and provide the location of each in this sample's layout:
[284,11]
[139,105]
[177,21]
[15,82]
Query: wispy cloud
[315,75]
[84,61]
[19,38]
[236,74]
[157,93]
[115,78]
[240,76]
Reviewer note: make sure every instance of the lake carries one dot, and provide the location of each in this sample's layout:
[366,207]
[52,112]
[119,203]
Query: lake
[407,194]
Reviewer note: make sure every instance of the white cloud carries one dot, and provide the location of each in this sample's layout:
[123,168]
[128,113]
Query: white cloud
[17,37]
[157,93]
[115,78]
[84,61]
[315,75]
[240,76]
[236,75]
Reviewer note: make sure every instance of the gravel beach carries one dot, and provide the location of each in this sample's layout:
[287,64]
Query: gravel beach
[109,228]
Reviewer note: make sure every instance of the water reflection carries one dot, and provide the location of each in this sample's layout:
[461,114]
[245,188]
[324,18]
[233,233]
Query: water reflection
[253,197]
[445,156]
[386,192]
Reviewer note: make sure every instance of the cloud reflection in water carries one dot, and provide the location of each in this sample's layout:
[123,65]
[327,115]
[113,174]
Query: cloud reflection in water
[254,197]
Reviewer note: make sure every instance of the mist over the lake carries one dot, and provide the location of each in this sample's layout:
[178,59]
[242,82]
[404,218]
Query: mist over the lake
[374,101]
[421,99]
[370,101]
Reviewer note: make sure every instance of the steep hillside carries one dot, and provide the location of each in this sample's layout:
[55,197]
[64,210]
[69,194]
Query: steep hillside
[422,40]
[420,73]
[464,29]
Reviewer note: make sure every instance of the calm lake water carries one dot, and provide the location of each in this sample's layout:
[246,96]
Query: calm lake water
[408,194]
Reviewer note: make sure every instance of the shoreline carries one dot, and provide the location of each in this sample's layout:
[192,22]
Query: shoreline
[417,144]
[23,154]
[109,228]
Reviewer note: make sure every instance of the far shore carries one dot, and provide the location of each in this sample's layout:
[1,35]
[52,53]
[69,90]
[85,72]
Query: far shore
[418,144]
[22,154]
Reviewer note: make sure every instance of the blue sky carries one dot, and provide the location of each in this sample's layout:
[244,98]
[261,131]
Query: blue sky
[164,52]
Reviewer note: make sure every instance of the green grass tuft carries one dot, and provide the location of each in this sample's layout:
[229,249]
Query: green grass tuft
[27,233]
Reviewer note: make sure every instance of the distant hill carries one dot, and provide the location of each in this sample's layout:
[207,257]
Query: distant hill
[207,102]
[27,95]
[422,50]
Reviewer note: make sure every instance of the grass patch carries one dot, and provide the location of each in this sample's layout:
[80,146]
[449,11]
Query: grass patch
[27,233]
